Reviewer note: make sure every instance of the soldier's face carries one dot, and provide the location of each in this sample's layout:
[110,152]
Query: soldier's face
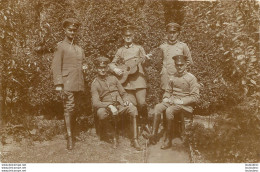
[102,71]
[70,31]
[128,37]
[172,34]
[181,67]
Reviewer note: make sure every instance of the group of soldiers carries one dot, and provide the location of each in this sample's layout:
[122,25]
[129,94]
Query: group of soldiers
[113,99]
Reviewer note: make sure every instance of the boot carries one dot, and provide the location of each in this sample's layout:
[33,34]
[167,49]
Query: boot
[168,142]
[69,143]
[74,128]
[100,127]
[67,118]
[156,122]
[135,143]
[143,112]
[115,141]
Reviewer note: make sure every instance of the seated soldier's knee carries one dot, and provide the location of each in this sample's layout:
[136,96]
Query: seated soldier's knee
[102,113]
[159,108]
[132,111]
[141,102]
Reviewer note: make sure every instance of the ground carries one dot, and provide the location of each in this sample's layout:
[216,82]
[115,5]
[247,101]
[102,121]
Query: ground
[91,150]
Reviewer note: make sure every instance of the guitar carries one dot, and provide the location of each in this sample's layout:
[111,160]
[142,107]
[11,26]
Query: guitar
[130,67]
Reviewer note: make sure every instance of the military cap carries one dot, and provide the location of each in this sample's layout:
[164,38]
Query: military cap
[101,61]
[180,59]
[128,29]
[70,21]
[175,26]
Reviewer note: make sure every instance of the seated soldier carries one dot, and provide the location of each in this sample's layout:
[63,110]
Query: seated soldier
[181,92]
[111,100]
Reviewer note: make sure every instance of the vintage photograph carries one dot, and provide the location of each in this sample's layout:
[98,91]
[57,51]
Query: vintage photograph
[129,81]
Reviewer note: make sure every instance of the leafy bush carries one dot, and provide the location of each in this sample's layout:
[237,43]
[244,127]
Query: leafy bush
[223,38]
[234,137]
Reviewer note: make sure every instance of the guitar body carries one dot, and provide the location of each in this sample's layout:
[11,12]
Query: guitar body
[126,70]
[130,67]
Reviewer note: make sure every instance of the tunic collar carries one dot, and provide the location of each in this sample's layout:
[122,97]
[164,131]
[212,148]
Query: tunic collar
[180,75]
[69,42]
[173,42]
[102,78]
[129,46]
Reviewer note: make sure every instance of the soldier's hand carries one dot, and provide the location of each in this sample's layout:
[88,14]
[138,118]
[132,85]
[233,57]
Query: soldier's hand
[84,67]
[177,101]
[118,71]
[148,56]
[127,103]
[59,88]
[113,109]
[166,100]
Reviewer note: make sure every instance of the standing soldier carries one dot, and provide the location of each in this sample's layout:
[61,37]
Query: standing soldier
[181,92]
[68,75]
[172,48]
[111,100]
[135,85]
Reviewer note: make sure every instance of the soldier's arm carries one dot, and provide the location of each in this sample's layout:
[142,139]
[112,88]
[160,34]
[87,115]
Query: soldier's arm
[168,90]
[186,52]
[194,92]
[142,53]
[112,65]
[121,90]
[84,61]
[95,97]
[56,66]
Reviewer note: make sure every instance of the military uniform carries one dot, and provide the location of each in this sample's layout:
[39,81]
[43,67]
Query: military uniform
[135,84]
[68,74]
[168,68]
[183,87]
[107,90]
[67,66]
[169,50]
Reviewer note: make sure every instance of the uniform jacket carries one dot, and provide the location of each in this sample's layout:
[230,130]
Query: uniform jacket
[106,91]
[67,66]
[127,53]
[183,87]
[168,68]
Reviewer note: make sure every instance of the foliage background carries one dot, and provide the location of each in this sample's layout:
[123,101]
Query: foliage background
[223,37]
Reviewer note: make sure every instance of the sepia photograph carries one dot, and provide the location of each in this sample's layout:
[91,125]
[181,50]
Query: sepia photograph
[129,81]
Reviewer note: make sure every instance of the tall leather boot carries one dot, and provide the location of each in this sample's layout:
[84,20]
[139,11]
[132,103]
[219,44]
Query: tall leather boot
[156,122]
[135,143]
[100,127]
[67,118]
[143,112]
[74,127]
[168,141]
[115,137]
